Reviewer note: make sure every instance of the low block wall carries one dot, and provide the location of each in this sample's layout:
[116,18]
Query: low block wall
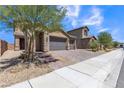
[3,46]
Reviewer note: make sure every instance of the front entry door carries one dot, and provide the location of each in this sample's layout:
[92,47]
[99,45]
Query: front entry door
[22,43]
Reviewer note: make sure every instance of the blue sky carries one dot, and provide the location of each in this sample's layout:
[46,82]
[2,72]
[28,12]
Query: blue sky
[97,18]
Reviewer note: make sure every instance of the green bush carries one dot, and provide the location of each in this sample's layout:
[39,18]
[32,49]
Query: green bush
[105,39]
[94,45]
[115,44]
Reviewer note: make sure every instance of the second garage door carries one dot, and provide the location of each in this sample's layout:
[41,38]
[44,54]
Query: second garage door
[57,43]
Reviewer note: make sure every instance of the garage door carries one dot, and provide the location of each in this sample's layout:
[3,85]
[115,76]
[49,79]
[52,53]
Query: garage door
[57,43]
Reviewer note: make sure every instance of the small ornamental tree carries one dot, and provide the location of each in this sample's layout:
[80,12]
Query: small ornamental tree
[105,39]
[94,45]
[32,19]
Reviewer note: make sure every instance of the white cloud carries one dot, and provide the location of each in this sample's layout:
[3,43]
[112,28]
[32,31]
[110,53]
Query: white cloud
[96,17]
[72,14]
[74,22]
[93,18]
[103,29]
[116,35]
[73,11]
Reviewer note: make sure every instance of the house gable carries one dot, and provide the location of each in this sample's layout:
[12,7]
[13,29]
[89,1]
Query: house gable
[81,32]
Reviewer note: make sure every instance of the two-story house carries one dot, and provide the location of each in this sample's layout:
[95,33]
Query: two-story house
[82,37]
[75,39]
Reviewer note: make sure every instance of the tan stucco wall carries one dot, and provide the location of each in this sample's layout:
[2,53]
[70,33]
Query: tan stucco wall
[18,32]
[79,33]
[16,43]
[76,33]
[83,33]
[46,41]
[44,45]
[83,43]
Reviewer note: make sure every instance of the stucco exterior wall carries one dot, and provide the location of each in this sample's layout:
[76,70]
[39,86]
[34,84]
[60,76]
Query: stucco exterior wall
[84,30]
[77,33]
[42,40]
[83,43]
[16,43]
[46,41]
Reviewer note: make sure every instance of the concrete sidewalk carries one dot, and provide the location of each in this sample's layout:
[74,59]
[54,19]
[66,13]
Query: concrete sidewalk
[96,72]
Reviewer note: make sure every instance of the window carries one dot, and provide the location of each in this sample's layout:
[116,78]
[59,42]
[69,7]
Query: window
[85,33]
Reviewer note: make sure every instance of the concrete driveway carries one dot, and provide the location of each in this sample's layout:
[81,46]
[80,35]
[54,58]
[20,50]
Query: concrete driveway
[101,71]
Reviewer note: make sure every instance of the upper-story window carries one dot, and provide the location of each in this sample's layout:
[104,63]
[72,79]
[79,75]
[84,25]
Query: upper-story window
[85,33]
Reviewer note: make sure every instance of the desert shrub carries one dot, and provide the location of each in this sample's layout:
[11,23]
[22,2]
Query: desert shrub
[115,44]
[94,45]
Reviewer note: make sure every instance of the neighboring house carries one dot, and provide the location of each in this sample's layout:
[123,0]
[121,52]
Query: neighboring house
[82,37]
[44,41]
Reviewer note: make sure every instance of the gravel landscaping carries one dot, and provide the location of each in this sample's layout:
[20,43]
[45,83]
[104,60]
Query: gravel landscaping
[19,72]
[76,55]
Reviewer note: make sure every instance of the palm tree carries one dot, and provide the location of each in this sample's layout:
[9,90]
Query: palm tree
[31,20]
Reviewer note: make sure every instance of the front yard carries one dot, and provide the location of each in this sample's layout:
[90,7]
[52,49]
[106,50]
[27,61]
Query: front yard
[18,71]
